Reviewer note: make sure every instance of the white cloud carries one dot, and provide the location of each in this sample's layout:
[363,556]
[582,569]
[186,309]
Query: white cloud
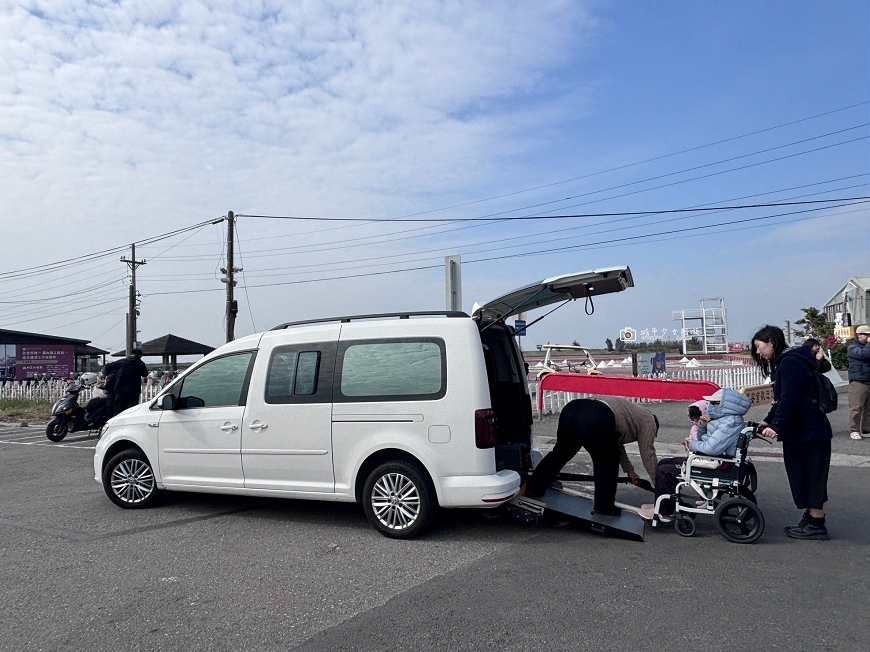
[125,119]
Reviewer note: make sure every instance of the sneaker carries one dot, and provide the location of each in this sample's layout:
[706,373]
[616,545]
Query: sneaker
[809,532]
[855,435]
[647,512]
[805,519]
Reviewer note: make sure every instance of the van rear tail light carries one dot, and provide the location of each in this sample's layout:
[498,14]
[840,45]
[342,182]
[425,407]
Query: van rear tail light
[484,428]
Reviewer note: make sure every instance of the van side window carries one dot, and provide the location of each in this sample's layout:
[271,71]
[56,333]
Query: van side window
[392,370]
[306,373]
[291,373]
[218,383]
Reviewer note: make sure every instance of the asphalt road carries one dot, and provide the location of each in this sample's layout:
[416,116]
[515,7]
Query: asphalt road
[227,573]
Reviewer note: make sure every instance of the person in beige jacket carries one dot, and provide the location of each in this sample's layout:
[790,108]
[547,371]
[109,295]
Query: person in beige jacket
[603,427]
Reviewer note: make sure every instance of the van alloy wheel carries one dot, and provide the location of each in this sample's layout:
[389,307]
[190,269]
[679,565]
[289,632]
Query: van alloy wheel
[128,480]
[398,499]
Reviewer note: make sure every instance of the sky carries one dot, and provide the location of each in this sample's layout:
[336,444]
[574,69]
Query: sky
[125,121]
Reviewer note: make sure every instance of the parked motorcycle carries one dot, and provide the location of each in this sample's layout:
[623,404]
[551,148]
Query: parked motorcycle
[69,416]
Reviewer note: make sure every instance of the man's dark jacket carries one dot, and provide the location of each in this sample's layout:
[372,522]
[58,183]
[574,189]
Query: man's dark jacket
[859,362]
[793,416]
[129,372]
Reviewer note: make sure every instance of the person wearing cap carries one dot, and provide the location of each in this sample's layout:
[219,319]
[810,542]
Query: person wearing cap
[603,427]
[128,384]
[859,384]
[717,433]
[796,421]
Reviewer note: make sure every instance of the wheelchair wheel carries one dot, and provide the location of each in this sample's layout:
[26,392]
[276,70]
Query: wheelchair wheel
[739,520]
[685,526]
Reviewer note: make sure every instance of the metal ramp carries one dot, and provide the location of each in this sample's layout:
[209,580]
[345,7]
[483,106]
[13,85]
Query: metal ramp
[578,509]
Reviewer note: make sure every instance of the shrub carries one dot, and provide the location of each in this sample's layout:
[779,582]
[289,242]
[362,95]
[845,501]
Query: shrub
[839,357]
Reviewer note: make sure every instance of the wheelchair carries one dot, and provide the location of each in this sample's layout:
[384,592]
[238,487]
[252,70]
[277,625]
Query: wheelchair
[723,487]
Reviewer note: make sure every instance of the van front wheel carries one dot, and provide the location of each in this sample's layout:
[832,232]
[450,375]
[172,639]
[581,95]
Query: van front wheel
[399,500]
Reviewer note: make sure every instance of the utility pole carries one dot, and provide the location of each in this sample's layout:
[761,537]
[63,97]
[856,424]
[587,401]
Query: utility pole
[132,308]
[453,282]
[229,271]
[788,332]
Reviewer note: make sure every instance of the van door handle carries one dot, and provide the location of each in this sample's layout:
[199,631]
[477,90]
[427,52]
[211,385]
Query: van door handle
[228,427]
[258,426]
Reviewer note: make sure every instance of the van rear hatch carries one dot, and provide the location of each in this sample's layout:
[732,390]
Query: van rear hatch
[581,285]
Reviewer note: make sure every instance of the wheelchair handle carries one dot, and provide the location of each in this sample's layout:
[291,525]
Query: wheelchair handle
[757,428]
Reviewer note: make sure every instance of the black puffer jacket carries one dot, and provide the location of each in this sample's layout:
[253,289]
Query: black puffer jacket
[793,416]
[859,362]
[130,372]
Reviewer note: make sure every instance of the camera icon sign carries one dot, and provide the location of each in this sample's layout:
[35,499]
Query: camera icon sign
[628,335]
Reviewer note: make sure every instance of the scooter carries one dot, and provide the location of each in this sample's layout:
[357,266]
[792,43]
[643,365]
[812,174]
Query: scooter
[69,416]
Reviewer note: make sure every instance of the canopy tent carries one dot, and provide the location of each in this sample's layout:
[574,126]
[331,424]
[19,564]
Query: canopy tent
[169,347]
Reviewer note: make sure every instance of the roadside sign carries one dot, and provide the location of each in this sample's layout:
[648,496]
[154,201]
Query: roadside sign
[520,327]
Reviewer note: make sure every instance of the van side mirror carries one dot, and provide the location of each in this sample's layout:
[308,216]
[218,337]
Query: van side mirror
[167,402]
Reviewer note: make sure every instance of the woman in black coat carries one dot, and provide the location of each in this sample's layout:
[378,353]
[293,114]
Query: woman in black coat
[802,427]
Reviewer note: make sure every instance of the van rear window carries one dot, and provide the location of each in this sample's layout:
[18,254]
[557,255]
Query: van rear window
[407,369]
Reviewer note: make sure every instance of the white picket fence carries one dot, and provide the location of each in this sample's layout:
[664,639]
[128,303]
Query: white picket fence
[734,377]
[52,390]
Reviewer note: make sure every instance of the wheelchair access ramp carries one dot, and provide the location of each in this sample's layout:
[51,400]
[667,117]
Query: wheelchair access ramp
[579,510]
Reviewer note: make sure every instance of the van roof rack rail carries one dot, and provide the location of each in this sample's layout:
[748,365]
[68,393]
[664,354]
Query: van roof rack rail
[349,318]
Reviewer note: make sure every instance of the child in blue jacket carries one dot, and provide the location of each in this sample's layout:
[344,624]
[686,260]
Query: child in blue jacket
[719,430]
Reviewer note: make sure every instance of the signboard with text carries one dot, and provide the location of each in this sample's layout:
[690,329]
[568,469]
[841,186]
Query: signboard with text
[651,364]
[54,359]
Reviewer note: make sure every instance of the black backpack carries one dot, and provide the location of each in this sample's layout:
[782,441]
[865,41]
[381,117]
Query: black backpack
[827,401]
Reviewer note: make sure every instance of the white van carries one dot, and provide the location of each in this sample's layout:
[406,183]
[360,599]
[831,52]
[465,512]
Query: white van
[402,412]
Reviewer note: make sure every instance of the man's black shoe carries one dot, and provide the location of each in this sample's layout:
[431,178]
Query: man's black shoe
[613,511]
[809,531]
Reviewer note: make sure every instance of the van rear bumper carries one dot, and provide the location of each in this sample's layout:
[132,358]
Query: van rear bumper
[478,490]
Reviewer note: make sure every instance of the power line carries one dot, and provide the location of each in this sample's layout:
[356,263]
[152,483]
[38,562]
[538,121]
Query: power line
[245,278]
[29,271]
[519,218]
[344,245]
[457,248]
[715,209]
[524,254]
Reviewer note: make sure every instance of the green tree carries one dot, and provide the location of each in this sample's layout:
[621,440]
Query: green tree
[609,344]
[815,324]
[620,345]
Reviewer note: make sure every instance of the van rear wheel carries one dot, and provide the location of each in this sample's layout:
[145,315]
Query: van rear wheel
[399,500]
